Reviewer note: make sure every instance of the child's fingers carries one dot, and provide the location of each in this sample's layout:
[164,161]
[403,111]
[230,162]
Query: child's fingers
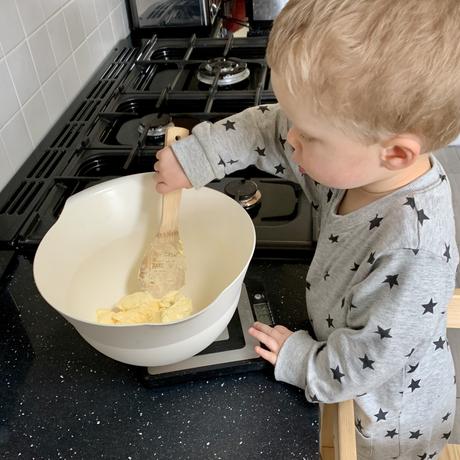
[266,354]
[265,338]
[162,187]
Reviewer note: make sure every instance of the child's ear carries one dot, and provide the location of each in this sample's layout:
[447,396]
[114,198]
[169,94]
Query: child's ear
[400,151]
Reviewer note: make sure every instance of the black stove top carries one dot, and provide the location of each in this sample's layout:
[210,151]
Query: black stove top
[117,125]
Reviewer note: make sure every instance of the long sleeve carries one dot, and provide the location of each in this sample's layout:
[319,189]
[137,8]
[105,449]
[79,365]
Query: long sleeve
[395,316]
[255,136]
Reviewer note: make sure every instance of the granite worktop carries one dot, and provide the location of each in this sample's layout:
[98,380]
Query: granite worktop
[60,398]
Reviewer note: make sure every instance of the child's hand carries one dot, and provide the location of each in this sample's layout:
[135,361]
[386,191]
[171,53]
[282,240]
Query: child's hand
[272,337]
[170,175]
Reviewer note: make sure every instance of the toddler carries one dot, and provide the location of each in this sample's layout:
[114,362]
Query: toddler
[367,91]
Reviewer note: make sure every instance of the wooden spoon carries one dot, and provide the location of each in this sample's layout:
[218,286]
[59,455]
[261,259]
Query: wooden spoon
[163,267]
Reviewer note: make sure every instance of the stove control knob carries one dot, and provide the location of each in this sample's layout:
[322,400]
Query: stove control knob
[245,192]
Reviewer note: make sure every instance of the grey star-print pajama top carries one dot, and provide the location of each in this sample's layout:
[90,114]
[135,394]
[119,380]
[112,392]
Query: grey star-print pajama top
[377,291]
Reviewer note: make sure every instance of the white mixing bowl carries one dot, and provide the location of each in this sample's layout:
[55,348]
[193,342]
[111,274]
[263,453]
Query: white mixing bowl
[90,257]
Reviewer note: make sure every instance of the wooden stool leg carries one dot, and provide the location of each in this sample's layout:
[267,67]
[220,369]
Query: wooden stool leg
[337,431]
[326,436]
[450,452]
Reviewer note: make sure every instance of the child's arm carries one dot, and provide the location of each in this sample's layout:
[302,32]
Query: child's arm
[396,315]
[256,136]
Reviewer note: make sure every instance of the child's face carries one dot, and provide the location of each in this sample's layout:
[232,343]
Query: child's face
[324,152]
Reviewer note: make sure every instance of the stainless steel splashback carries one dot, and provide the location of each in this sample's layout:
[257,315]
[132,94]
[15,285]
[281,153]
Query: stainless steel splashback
[266,10]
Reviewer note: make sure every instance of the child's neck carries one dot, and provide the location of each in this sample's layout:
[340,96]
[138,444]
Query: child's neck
[357,198]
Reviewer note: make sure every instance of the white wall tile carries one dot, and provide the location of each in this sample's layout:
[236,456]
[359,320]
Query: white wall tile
[74,24]
[96,49]
[10,103]
[23,71]
[36,117]
[83,61]
[59,37]
[5,165]
[51,6]
[55,99]
[11,31]
[88,15]
[69,78]
[102,10]
[32,15]
[118,25]
[17,140]
[107,35]
[42,53]
[40,42]
[113,4]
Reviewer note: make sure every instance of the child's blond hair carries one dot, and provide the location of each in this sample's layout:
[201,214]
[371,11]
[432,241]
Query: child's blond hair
[375,68]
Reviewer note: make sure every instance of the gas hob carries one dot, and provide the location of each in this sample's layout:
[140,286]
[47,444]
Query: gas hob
[116,127]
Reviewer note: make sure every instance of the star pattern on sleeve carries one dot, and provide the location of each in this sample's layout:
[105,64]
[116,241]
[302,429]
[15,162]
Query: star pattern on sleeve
[229,125]
[359,426]
[282,140]
[375,222]
[428,307]
[414,384]
[392,280]
[410,201]
[330,321]
[355,267]
[367,363]
[391,433]
[412,368]
[371,258]
[421,216]
[337,375]
[410,353]
[415,434]
[447,252]
[384,333]
[334,238]
[279,169]
[381,415]
[439,344]
[352,306]
[263,108]
[260,151]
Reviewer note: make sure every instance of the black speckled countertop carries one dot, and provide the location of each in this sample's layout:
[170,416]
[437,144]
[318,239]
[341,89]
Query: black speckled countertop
[60,398]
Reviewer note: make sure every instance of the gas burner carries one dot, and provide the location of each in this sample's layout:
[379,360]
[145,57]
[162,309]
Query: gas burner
[230,71]
[245,192]
[133,130]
